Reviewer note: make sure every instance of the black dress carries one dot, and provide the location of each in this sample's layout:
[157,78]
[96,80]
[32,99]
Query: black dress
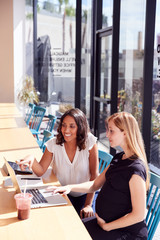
[114,201]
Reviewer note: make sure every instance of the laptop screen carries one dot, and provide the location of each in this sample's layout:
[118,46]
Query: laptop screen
[13,176]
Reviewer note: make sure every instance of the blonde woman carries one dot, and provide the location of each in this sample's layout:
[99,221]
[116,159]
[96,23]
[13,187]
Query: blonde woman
[121,203]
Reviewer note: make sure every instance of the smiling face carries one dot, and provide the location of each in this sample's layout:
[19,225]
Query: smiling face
[69,129]
[115,136]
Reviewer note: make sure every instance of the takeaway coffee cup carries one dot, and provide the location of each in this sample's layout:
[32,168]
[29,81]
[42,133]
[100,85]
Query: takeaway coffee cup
[23,204]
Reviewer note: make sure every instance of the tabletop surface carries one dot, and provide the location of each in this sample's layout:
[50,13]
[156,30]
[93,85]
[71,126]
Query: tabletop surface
[12,122]
[7,105]
[9,111]
[58,222]
[16,138]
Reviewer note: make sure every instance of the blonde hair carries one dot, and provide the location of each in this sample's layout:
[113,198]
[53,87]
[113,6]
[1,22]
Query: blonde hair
[126,122]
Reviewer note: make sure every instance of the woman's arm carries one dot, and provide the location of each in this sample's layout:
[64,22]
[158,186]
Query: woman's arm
[86,187]
[138,199]
[39,168]
[87,211]
[45,162]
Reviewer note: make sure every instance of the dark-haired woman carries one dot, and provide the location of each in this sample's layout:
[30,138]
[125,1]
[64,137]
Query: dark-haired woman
[73,155]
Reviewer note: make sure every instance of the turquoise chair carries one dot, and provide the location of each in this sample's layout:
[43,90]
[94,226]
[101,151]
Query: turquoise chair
[29,113]
[51,122]
[46,136]
[47,133]
[153,205]
[36,120]
[104,160]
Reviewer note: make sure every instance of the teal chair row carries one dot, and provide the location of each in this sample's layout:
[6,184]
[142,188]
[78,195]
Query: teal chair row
[34,117]
[153,205]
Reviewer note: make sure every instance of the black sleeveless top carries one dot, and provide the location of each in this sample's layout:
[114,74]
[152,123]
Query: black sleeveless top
[114,200]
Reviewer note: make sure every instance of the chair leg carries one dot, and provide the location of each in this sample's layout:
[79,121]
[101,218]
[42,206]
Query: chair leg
[37,137]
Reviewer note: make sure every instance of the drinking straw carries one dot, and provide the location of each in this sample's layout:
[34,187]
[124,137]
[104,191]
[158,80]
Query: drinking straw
[25,187]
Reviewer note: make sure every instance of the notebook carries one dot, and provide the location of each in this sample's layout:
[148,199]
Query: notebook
[41,198]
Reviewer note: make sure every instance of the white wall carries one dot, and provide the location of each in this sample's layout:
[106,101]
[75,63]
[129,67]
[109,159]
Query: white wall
[19,44]
[6,52]
[12,48]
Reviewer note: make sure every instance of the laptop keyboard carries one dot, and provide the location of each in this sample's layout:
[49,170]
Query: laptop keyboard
[37,196]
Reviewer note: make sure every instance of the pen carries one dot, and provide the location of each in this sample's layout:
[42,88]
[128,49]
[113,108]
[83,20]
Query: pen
[30,178]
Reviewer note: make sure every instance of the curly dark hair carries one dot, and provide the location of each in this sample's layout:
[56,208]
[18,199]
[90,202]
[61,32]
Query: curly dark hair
[82,125]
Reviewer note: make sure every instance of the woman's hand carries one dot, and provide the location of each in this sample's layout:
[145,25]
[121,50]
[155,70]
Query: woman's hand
[87,211]
[62,190]
[102,223]
[26,162]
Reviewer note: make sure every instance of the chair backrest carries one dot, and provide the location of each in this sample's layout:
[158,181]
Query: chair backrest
[29,112]
[153,205]
[51,122]
[46,136]
[104,160]
[37,117]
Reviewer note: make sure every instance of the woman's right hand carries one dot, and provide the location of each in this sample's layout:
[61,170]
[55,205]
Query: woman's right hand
[26,162]
[61,190]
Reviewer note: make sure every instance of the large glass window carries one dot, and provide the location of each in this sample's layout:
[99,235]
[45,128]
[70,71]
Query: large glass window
[155,128]
[131,57]
[107,13]
[56,54]
[86,56]
[105,86]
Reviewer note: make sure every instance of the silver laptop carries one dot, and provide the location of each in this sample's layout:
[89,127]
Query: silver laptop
[41,197]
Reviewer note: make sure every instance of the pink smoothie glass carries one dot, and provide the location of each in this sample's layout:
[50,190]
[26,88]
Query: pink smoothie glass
[23,204]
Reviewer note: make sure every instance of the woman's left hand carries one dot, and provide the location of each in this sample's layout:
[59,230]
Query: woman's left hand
[86,212]
[102,223]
